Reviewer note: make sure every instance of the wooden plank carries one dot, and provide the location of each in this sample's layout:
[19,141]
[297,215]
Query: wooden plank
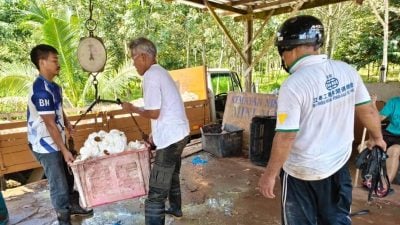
[287,9]
[196,103]
[3,184]
[5,126]
[85,132]
[240,2]
[16,155]
[194,113]
[14,142]
[15,148]
[16,158]
[216,5]
[97,126]
[128,122]
[98,115]
[117,112]
[21,167]
[13,136]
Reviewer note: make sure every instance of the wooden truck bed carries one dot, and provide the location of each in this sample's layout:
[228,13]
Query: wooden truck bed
[16,156]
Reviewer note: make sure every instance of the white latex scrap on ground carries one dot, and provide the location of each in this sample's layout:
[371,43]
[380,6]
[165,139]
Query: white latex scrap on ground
[102,143]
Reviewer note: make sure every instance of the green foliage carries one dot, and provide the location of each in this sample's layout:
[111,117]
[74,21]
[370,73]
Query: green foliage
[363,43]
[270,84]
[14,38]
[15,80]
[13,104]
[185,37]
[115,82]
[60,29]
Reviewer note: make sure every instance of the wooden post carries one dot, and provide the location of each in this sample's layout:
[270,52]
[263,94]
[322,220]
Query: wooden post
[248,54]
[3,183]
[357,175]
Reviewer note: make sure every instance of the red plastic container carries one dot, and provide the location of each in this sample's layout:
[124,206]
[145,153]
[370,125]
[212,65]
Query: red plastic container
[112,178]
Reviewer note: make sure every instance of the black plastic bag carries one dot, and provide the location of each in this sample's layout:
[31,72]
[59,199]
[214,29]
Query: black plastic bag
[372,164]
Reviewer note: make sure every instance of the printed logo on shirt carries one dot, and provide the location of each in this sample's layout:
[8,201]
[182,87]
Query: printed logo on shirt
[44,102]
[282,117]
[334,91]
[331,82]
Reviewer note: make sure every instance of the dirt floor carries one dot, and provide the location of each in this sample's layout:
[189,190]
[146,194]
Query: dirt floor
[216,191]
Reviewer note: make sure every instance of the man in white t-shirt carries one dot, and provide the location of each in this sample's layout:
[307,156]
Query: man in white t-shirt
[170,131]
[314,130]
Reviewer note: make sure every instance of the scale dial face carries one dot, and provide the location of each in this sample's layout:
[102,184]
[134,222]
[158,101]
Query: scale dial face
[92,55]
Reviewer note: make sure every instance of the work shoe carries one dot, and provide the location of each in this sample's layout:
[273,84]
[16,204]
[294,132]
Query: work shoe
[77,210]
[174,212]
[175,202]
[63,218]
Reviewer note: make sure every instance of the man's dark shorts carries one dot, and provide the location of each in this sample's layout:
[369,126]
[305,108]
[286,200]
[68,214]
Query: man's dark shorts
[390,139]
[325,201]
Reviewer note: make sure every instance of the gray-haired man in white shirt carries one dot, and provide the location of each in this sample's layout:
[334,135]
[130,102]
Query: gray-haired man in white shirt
[170,131]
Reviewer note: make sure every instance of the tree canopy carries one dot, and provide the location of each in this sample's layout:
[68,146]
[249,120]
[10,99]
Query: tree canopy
[184,37]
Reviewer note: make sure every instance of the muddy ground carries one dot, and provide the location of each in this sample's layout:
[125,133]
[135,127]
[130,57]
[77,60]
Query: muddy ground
[216,191]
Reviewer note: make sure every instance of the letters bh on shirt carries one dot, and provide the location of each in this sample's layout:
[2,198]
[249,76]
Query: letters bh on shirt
[44,102]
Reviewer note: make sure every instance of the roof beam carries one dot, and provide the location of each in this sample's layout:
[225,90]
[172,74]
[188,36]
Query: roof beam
[215,5]
[287,9]
[278,4]
[239,2]
[271,39]
[260,29]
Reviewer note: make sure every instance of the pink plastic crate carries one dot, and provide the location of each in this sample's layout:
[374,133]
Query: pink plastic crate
[112,178]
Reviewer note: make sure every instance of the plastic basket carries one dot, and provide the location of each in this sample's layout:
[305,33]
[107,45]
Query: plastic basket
[112,178]
[222,142]
[262,132]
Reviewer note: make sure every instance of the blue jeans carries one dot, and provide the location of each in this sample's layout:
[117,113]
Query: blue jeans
[53,165]
[322,202]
